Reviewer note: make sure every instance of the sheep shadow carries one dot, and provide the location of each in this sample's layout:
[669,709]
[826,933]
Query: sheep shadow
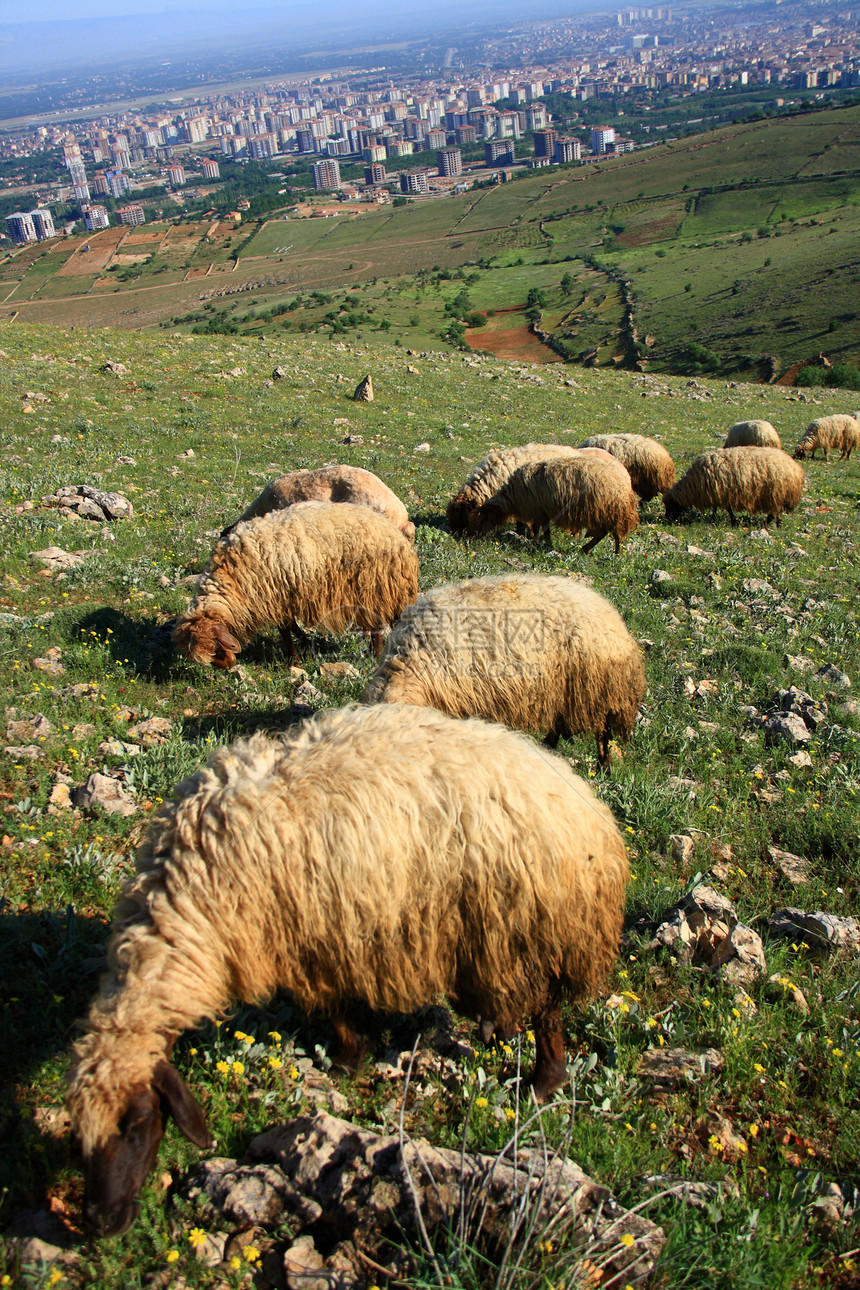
[50,964]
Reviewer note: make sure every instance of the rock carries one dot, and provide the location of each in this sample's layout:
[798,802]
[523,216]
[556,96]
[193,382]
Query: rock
[421,447]
[297,673]
[126,461]
[50,663]
[831,675]
[83,730]
[318,1089]
[189,452]
[107,793]
[116,748]
[660,575]
[244,1195]
[37,727]
[669,1068]
[792,867]
[757,586]
[798,663]
[364,391]
[788,726]
[354,439]
[704,927]
[801,760]
[279,373]
[308,694]
[760,535]
[739,957]
[54,558]
[819,930]
[59,799]
[345,670]
[850,708]
[24,752]
[301,1260]
[697,551]
[681,848]
[114,369]
[831,1207]
[39,1237]
[155,730]
[94,503]
[359,1183]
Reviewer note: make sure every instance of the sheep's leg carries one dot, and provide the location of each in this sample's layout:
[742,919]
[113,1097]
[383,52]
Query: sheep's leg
[288,642]
[732,517]
[521,528]
[550,1065]
[559,731]
[350,1046]
[377,640]
[617,543]
[603,759]
[589,546]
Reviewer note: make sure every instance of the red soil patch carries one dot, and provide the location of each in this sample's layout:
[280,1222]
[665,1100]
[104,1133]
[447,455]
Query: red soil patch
[655,231]
[515,343]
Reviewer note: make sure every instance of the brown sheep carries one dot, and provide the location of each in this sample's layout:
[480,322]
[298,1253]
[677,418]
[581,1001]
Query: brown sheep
[539,653]
[382,855]
[576,493]
[349,484]
[649,465]
[317,564]
[755,480]
[752,434]
[839,431]
[488,477]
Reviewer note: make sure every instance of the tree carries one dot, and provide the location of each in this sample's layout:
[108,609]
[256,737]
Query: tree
[567,284]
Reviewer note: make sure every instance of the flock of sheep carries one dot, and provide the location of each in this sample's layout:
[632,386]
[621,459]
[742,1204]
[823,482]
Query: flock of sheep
[388,853]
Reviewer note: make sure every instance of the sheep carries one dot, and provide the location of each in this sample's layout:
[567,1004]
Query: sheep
[574,493]
[488,477]
[763,480]
[838,431]
[534,652]
[381,855]
[316,563]
[330,484]
[752,434]
[649,465]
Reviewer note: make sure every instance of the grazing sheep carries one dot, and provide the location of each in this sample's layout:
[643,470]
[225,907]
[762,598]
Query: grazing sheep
[649,465]
[381,855]
[330,484]
[316,563]
[752,434]
[545,654]
[839,431]
[573,493]
[488,477]
[755,480]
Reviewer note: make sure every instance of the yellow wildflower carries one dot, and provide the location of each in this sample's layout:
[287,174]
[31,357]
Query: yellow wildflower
[172,1256]
[275,1063]
[481,1102]
[251,1253]
[197,1237]
[238,1068]
[627,1240]
[222,1067]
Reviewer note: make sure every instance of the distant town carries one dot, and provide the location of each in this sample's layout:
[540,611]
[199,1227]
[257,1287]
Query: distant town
[573,92]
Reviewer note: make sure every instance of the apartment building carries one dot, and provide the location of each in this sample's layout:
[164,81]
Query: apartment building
[449,161]
[325,174]
[96,217]
[131,214]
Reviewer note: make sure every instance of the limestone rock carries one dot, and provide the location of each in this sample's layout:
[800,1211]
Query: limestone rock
[364,391]
[832,675]
[55,558]
[109,794]
[819,930]
[114,369]
[155,730]
[794,868]
[50,662]
[669,1068]
[788,727]
[345,670]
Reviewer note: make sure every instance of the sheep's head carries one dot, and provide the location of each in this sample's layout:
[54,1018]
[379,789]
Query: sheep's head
[801,451]
[408,530]
[488,517]
[207,641]
[458,514]
[673,510]
[117,1169]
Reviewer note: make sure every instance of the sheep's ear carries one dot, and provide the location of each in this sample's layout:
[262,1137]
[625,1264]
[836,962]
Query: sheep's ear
[223,634]
[184,1109]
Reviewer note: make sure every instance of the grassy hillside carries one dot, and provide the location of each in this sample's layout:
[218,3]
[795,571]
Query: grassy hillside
[190,435]
[743,240]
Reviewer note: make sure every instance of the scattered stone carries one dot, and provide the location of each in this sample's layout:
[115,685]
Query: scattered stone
[758,586]
[421,447]
[25,752]
[50,663]
[760,535]
[669,1068]
[660,575]
[354,439]
[297,673]
[37,727]
[116,748]
[107,793]
[38,1237]
[832,1207]
[92,503]
[798,663]
[189,452]
[83,730]
[59,799]
[301,1261]
[308,693]
[55,558]
[801,760]
[850,708]
[155,730]
[818,930]
[345,670]
[831,675]
[279,373]
[126,461]
[704,927]
[114,369]
[789,727]
[238,371]
[681,848]
[698,551]
[364,391]
[794,868]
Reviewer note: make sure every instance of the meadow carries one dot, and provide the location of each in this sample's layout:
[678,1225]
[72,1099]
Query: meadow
[190,433]
[742,240]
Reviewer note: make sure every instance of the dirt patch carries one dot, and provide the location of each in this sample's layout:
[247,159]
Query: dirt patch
[101,249]
[131,259]
[516,343]
[656,230]
[144,239]
[196,273]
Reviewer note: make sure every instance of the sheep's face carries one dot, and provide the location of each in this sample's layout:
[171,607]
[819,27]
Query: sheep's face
[673,510]
[458,514]
[206,641]
[800,452]
[116,1171]
[487,518]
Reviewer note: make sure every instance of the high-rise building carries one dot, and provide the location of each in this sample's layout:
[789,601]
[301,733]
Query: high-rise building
[130,214]
[325,174]
[465,134]
[449,161]
[19,227]
[567,150]
[43,223]
[436,138]
[545,143]
[211,169]
[375,173]
[118,183]
[175,176]
[414,181]
[96,217]
[601,138]
[499,152]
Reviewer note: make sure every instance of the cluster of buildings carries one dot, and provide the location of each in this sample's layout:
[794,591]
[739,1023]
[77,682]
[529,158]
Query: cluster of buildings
[380,123]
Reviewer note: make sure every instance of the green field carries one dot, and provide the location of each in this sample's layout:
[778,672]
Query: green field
[781,1122]
[743,240]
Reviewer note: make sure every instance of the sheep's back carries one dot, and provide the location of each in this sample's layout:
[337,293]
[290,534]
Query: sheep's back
[648,463]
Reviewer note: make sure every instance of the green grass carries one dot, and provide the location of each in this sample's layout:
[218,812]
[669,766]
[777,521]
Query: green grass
[799,1116]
